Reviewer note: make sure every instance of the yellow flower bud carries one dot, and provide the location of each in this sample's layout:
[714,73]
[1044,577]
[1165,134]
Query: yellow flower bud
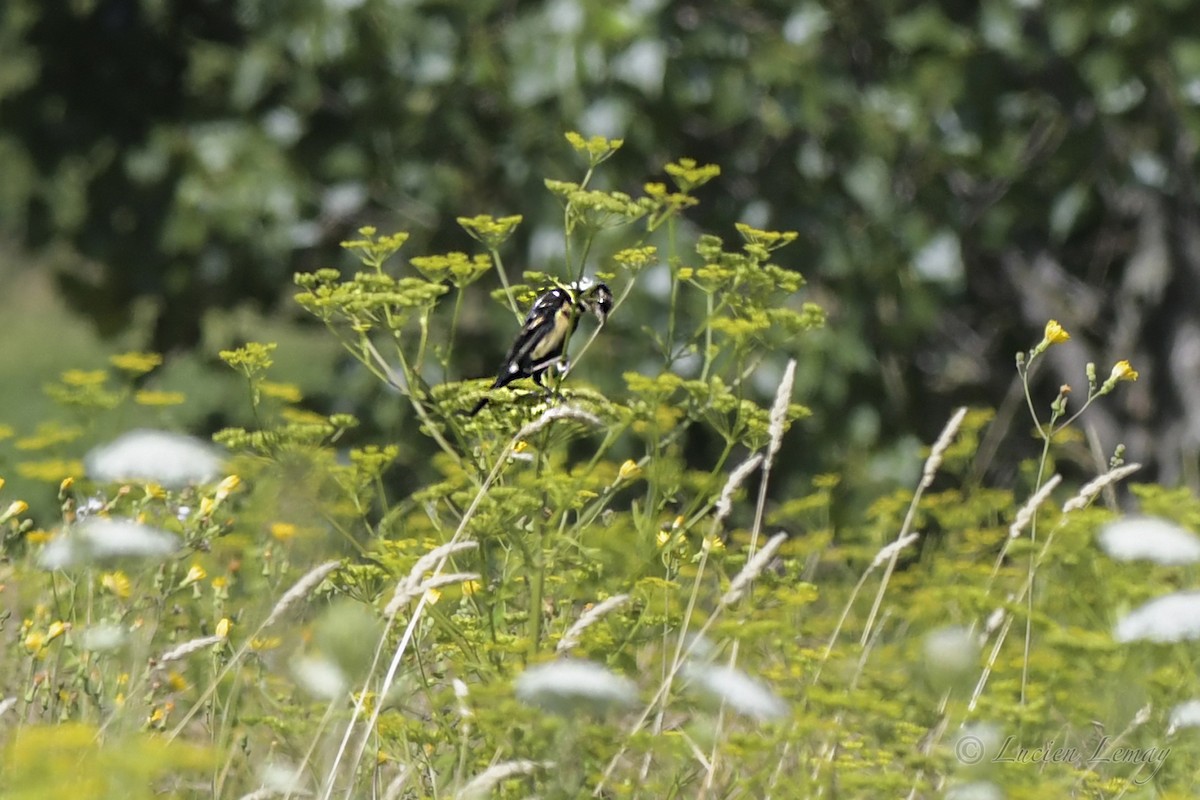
[1122,371]
[195,573]
[630,471]
[15,508]
[228,487]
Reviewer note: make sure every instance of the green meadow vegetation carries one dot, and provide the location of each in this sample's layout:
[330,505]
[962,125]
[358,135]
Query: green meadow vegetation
[560,602]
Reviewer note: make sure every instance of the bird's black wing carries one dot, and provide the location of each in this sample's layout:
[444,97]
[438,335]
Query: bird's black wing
[543,337]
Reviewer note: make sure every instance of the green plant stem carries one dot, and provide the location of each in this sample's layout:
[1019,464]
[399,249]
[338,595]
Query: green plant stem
[508,292]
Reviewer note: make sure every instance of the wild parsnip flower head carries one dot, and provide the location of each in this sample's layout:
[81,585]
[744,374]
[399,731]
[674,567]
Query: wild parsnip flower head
[102,539]
[736,690]
[171,460]
[1149,539]
[1184,715]
[567,686]
[1171,618]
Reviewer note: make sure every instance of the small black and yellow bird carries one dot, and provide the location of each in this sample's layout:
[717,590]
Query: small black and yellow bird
[547,330]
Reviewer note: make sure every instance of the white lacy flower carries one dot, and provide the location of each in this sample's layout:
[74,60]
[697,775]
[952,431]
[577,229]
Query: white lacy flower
[737,690]
[102,539]
[1149,539]
[169,459]
[1172,618]
[568,684]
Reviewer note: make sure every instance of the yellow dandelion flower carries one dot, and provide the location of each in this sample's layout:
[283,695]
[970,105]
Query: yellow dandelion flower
[283,531]
[56,629]
[265,642]
[663,538]
[629,471]
[63,487]
[34,641]
[223,627]
[1055,333]
[471,588]
[154,491]
[38,536]
[176,681]
[220,582]
[521,446]
[1121,371]
[713,543]
[207,506]
[432,596]
[117,583]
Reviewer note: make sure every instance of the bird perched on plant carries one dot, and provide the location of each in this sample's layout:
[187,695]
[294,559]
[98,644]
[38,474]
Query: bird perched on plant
[547,329]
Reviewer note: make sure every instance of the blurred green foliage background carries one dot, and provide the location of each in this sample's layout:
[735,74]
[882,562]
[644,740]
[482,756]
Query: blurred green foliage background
[959,173]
